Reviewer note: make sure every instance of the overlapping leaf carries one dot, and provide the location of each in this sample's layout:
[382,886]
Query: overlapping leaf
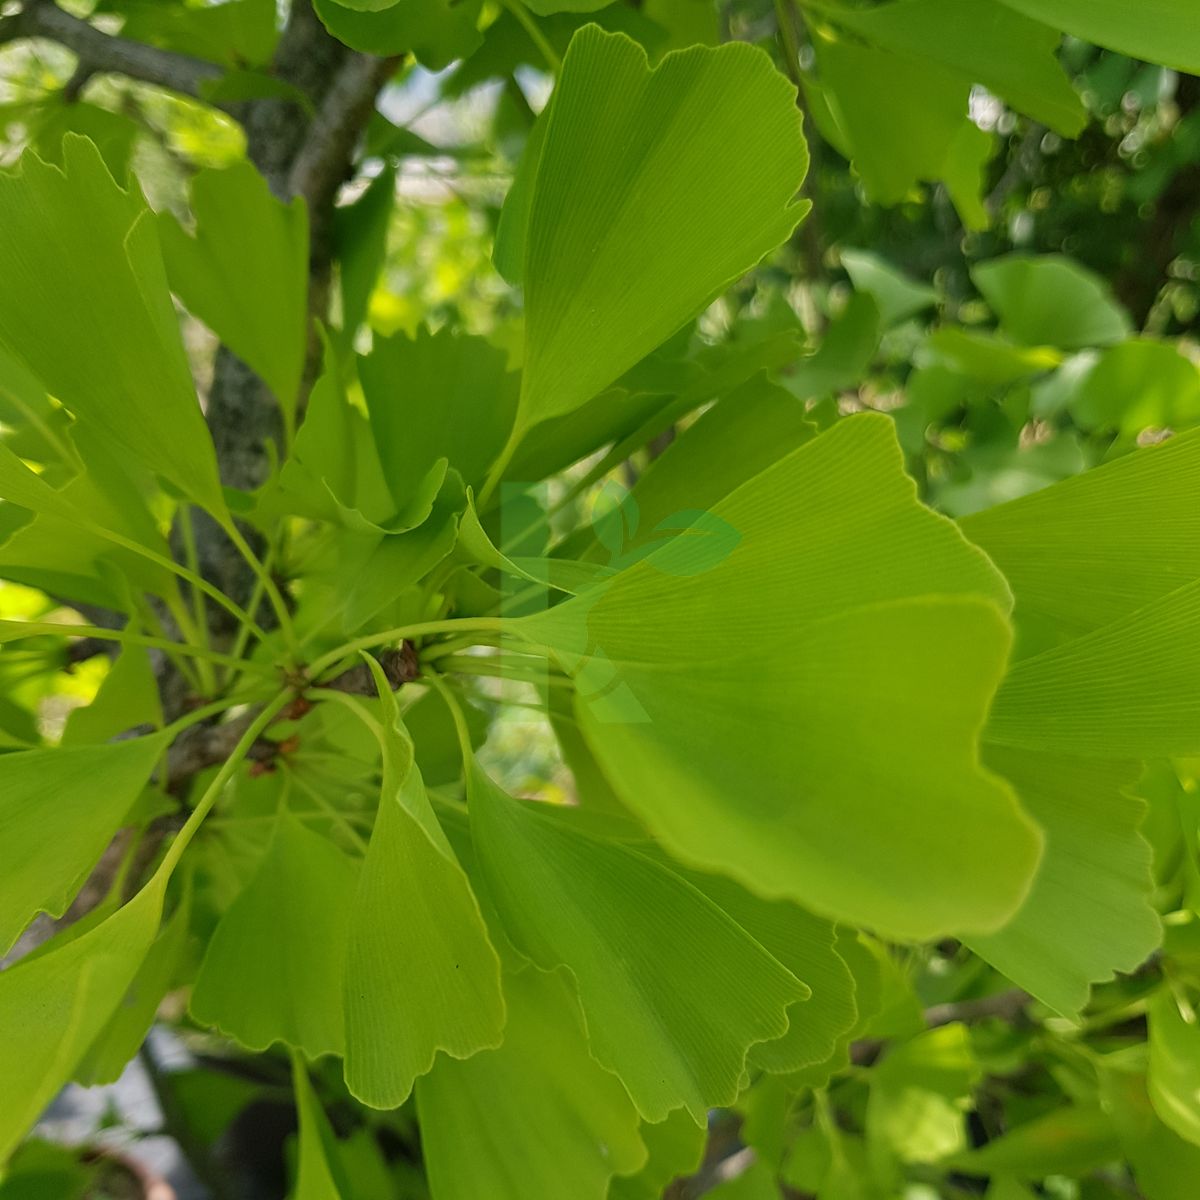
[244,272]
[847,778]
[919,1093]
[654,190]
[988,43]
[59,808]
[535,1117]
[437,396]
[273,968]
[435,31]
[1106,574]
[1088,913]
[806,945]
[636,937]
[318,1173]
[900,119]
[79,253]
[1159,31]
[674,1148]
[421,974]
[54,1004]
[1173,1079]
[1048,300]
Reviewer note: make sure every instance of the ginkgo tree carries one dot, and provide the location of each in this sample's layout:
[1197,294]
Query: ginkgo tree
[879,855]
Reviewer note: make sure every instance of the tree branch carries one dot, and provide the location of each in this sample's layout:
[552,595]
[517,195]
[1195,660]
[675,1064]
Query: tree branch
[325,156]
[204,746]
[102,53]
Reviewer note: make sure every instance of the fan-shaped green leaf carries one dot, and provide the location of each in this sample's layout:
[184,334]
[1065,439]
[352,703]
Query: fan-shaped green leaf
[54,1004]
[1164,1164]
[847,777]
[655,189]
[1011,55]
[79,253]
[919,1093]
[1173,1080]
[317,1167]
[1098,546]
[1159,31]
[1124,690]
[897,296]
[421,974]
[273,968]
[675,1147]
[1064,1141]
[638,940]
[244,272]
[59,808]
[742,434]
[21,485]
[1088,913]
[1048,300]
[435,31]
[1136,385]
[535,1117]
[127,697]
[110,1053]
[468,423]
[805,945]
[898,118]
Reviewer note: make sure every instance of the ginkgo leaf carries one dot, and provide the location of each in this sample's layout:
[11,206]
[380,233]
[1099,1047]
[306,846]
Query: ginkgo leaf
[897,296]
[244,272]
[334,473]
[805,944]
[371,570]
[468,424]
[1012,56]
[655,189]
[59,808]
[55,1003]
[1159,31]
[1088,913]
[1102,568]
[1049,300]
[421,975]
[919,1095]
[272,971]
[76,535]
[79,253]
[1124,690]
[318,1171]
[110,1053]
[360,235]
[674,1148]
[535,1117]
[847,778]
[1173,1078]
[1135,385]
[127,697]
[637,938]
[1098,546]
[1062,1141]
[19,484]
[742,434]
[897,117]
[1164,1165]
[435,31]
